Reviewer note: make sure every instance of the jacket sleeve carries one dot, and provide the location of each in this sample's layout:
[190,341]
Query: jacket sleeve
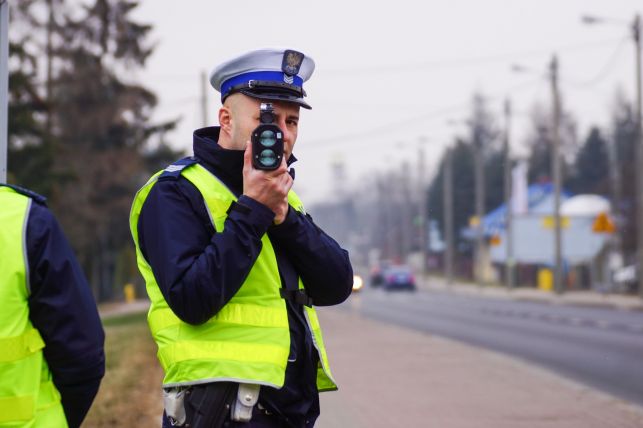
[62,308]
[197,270]
[323,265]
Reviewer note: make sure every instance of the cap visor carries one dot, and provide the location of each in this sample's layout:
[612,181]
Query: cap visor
[278,97]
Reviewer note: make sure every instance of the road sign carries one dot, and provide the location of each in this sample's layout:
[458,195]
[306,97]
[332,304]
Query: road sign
[549,222]
[603,224]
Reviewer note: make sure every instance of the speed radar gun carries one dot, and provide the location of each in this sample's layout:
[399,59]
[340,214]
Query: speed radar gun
[267,141]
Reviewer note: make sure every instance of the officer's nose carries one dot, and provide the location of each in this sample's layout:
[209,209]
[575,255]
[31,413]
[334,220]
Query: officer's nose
[289,135]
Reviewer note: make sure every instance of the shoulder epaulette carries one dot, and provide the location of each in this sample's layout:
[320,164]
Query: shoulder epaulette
[173,171]
[28,193]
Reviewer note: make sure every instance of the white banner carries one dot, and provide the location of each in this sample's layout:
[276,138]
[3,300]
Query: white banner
[519,197]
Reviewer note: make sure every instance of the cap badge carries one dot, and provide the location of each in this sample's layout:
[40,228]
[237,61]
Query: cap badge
[291,62]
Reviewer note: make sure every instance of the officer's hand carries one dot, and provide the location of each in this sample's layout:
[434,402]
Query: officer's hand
[282,211]
[267,187]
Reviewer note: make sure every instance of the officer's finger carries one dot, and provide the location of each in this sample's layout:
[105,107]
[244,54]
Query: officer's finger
[287,187]
[289,181]
[247,156]
[283,167]
[277,173]
[286,182]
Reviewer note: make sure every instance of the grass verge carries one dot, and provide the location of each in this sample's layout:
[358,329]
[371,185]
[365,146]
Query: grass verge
[130,393]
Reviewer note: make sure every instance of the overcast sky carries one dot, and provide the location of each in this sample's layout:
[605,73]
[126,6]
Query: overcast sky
[390,73]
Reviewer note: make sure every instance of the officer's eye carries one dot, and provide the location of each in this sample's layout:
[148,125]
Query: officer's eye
[292,122]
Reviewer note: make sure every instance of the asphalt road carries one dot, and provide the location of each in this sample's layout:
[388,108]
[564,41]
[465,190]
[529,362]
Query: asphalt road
[602,348]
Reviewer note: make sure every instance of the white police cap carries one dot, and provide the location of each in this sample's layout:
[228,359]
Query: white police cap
[270,74]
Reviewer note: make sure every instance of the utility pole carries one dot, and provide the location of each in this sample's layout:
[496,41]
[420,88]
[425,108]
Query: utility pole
[383,202]
[422,217]
[479,205]
[447,202]
[4,87]
[616,241]
[636,32]
[509,244]
[50,30]
[406,223]
[204,99]
[556,172]
[636,35]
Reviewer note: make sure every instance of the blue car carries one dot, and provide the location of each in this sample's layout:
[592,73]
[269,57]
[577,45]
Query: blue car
[398,278]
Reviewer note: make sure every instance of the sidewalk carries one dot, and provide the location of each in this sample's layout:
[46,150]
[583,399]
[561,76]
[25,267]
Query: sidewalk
[394,377]
[115,309]
[575,297]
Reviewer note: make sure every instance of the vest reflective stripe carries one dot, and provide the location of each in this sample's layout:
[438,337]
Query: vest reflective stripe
[210,350]
[28,398]
[232,313]
[325,381]
[249,339]
[17,409]
[19,347]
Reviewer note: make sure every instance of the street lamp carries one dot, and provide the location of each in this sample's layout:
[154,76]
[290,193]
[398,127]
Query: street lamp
[636,37]
[509,247]
[422,202]
[591,19]
[557,176]
[556,170]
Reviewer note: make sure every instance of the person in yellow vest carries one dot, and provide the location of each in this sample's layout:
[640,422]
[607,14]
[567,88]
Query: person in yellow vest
[234,264]
[51,338]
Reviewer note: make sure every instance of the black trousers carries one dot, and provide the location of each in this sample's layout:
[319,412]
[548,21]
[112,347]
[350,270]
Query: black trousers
[259,420]
[208,406]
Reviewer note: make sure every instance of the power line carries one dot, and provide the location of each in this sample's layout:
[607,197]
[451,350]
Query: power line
[604,72]
[391,127]
[605,69]
[422,66]
[459,62]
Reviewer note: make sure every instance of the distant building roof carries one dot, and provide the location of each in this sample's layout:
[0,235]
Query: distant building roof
[585,205]
[540,200]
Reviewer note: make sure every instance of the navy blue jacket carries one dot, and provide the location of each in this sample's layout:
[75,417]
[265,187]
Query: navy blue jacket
[62,309]
[198,270]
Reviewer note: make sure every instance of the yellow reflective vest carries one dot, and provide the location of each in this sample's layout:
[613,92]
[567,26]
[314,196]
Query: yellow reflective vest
[28,397]
[248,340]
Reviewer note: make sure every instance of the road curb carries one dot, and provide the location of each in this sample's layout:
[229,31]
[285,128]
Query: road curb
[589,299]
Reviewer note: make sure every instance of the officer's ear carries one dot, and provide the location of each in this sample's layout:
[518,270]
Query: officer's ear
[225,119]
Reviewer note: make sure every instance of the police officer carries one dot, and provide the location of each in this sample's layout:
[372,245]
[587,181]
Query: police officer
[51,339]
[234,264]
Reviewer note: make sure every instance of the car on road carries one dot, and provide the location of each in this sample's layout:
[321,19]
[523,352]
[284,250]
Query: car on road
[625,279]
[376,277]
[398,278]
